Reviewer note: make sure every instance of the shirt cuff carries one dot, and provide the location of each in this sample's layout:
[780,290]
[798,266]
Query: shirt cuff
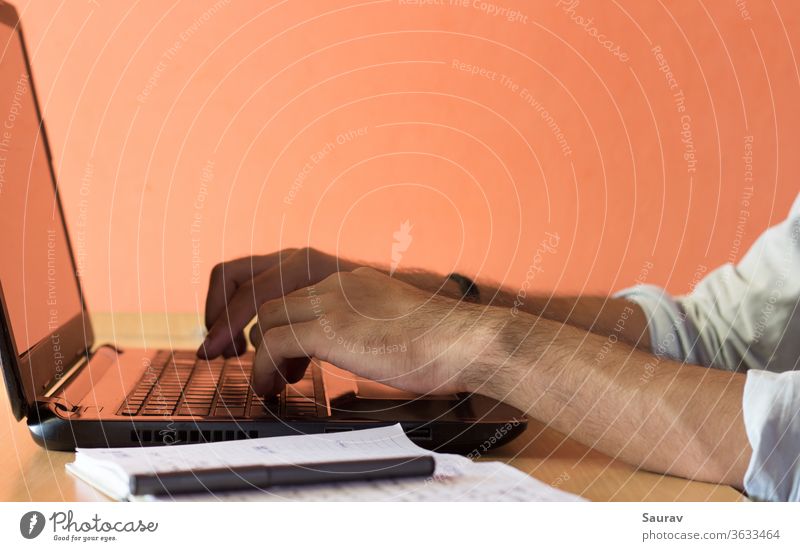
[771,407]
[671,334]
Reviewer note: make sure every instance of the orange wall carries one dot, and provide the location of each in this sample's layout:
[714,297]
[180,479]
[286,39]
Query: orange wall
[180,129]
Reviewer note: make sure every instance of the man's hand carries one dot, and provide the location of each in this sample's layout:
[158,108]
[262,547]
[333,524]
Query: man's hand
[237,288]
[371,325]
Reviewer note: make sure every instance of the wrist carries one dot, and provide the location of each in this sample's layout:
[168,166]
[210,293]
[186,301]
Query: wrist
[468,290]
[448,287]
[496,350]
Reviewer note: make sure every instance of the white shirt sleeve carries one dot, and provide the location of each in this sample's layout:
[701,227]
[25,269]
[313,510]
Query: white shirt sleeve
[772,419]
[738,317]
[746,317]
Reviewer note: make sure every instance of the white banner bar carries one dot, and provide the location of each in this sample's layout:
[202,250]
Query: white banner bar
[388,526]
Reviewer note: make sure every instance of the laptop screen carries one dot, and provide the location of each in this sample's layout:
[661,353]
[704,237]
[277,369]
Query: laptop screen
[36,271]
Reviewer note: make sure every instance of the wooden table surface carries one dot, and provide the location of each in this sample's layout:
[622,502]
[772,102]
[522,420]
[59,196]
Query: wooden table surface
[31,473]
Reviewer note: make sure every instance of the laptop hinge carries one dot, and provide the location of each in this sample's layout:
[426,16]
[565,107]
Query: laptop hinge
[58,402]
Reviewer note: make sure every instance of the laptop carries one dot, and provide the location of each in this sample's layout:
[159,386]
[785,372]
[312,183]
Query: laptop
[75,392]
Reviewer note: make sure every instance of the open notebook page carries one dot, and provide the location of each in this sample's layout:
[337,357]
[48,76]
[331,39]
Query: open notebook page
[456,477]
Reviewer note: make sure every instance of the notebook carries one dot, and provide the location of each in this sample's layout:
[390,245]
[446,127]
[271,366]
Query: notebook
[456,478]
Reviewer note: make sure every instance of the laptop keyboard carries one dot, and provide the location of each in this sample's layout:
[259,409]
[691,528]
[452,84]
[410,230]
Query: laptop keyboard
[179,383]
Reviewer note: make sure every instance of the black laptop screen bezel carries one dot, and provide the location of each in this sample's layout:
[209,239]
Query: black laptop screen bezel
[32,373]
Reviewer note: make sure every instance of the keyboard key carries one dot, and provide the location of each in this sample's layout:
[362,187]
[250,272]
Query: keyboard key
[197,401]
[299,400]
[179,382]
[193,411]
[153,413]
[306,390]
[230,411]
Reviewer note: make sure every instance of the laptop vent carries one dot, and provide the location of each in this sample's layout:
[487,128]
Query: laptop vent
[163,436]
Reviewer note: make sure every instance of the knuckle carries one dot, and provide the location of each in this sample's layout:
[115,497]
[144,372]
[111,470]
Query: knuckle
[365,270]
[333,281]
[271,337]
[216,271]
[268,309]
[246,288]
[264,310]
[245,298]
[343,276]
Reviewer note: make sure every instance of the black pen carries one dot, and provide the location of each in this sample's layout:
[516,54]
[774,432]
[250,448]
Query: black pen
[265,476]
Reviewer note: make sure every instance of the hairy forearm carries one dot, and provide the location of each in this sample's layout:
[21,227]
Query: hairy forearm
[580,364]
[653,413]
[605,316]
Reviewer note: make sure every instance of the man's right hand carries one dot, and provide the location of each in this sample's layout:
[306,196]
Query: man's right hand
[238,287]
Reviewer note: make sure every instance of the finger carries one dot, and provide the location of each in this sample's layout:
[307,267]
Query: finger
[296,369]
[284,349]
[298,307]
[229,276]
[275,282]
[226,278]
[237,347]
[293,371]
